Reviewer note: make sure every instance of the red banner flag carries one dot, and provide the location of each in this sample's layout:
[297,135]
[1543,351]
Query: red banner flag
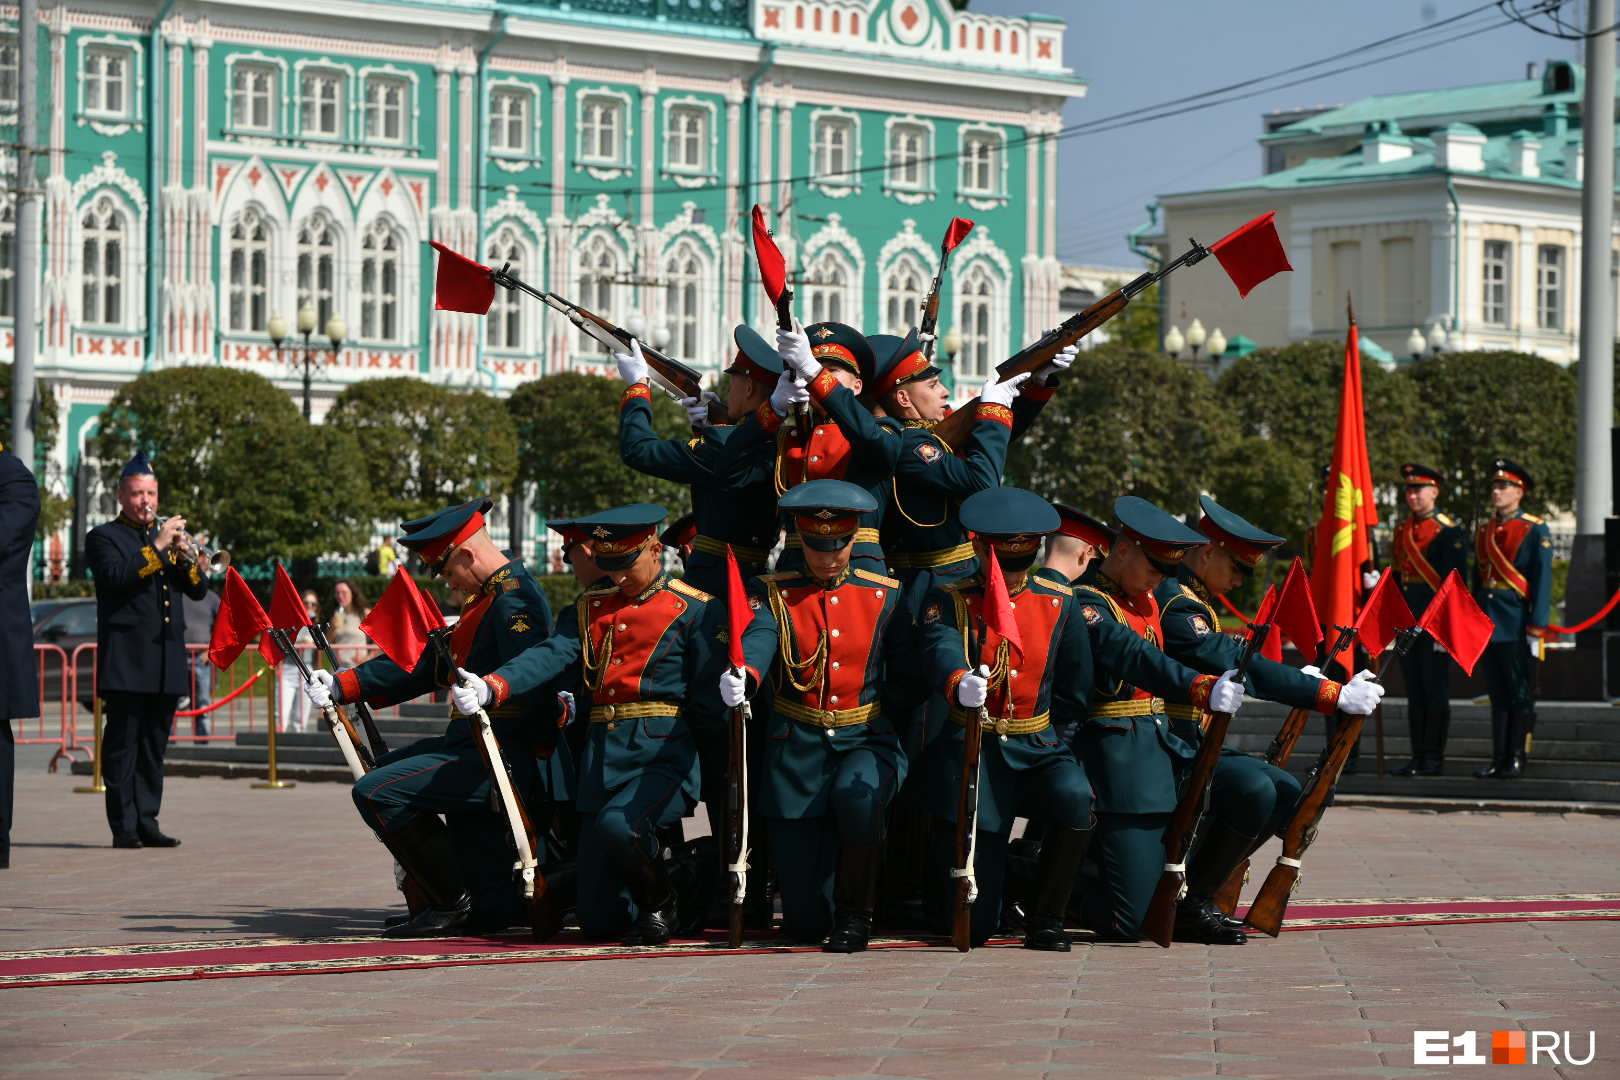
[738,613]
[461,284]
[1347,502]
[998,610]
[1384,613]
[1252,253]
[402,621]
[239,618]
[772,267]
[1271,648]
[1295,614]
[286,613]
[1454,619]
[960,227]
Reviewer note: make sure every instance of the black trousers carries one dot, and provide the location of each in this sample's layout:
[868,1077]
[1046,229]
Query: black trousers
[1427,671]
[133,741]
[8,767]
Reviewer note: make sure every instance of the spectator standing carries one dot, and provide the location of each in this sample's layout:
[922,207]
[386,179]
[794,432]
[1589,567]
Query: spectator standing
[19,514]
[292,707]
[343,628]
[386,558]
[200,615]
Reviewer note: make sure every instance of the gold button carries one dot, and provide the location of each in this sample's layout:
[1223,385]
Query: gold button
[1013,673]
[623,627]
[610,692]
[880,594]
[616,660]
[833,699]
[835,665]
[607,710]
[165,618]
[835,632]
[1001,726]
[166,603]
[611,725]
[815,457]
[832,599]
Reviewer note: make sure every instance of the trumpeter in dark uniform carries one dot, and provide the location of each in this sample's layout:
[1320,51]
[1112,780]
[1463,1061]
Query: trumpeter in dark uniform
[1025,770]
[463,864]
[819,430]
[823,637]
[1428,547]
[639,650]
[741,514]
[1129,751]
[141,568]
[1250,801]
[1513,583]
[19,514]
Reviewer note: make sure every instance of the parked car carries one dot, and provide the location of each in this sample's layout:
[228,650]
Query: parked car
[66,623]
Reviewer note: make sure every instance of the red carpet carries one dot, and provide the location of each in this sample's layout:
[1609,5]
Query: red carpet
[311,956]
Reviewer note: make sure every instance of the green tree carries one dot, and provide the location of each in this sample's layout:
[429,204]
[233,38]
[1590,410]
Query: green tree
[1127,421]
[568,427]
[310,499]
[424,445]
[1286,405]
[53,511]
[1137,327]
[183,417]
[1478,406]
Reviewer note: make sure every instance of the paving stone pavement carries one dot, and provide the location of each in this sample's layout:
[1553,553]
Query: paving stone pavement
[297,862]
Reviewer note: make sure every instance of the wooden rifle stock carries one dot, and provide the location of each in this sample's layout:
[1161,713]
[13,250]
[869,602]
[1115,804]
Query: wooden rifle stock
[736,819]
[373,736]
[965,889]
[1159,924]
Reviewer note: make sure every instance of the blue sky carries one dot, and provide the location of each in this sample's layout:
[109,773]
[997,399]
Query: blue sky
[1148,51]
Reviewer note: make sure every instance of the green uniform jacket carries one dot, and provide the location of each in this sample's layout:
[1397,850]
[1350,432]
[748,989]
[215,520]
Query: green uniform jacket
[861,621]
[1513,574]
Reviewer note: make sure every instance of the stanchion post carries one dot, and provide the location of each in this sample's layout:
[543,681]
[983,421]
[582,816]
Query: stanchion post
[272,781]
[96,787]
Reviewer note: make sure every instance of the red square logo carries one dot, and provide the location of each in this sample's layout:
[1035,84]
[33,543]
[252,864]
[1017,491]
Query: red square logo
[1507,1048]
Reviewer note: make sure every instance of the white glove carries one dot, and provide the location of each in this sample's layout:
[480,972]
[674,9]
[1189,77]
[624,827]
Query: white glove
[733,687]
[787,394]
[1312,670]
[318,688]
[1227,694]
[697,408]
[470,693]
[1002,393]
[1058,364]
[1361,695]
[1369,578]
[793,346]
[632,365]
[973,688]
[1534,643]
[565,708]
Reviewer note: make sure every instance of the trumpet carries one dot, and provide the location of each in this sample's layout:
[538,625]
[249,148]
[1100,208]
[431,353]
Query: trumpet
[188,549]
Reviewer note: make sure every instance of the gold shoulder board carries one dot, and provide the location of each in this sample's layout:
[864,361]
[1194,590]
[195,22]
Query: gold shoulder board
[1444,520]
[780,575]
[870,575]
[687,590]
[1532,519]
[1055,586]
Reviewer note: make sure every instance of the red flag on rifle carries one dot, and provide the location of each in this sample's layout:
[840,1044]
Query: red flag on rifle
[1454,619]
[1252,253]
[1295,614]
[998,610]
[240,617]
[461,284]
[1271,648]
[772,267]
[957,233]
[1385,612]
[286,613]
[402,621]
[738,613]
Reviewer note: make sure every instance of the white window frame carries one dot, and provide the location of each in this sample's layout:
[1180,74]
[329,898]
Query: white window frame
[588,127]
[340,81]
[275,105]
[506,327]
[131,84]
[897,294]
[686,273]
[836,178]
[104,277]
[529,101]
[248,288]
[706,137]
[899,127]
[1551,282]
[978,291]
[969,165]
[308,255]
[378,304]
[829,294]
[1496,277]
[10,59]
[375,111]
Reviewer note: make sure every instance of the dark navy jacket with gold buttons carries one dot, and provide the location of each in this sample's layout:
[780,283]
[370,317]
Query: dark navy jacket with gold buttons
[140,621]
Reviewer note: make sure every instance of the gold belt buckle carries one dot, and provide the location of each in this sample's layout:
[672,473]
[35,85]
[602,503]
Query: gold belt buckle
[1001,725]
[607,712]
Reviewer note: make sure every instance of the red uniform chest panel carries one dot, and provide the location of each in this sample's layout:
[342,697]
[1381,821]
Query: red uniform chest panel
[822,454]
[1037,615]
[1508,535]
[637,626]
[466,629]
[850,614]
[1142,616]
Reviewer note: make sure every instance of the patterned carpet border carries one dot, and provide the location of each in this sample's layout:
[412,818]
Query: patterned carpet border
[243,957]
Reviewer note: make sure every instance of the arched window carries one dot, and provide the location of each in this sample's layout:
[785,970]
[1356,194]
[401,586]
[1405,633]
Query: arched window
[248,274]
[317,266]
[380,276]
[103,269]
[683,273]
[505,322]
[828,288]
[908,147]
[598,266]
[976,293]
[904,287]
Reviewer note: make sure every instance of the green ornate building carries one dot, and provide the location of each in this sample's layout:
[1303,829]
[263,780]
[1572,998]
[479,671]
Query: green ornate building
[211,164]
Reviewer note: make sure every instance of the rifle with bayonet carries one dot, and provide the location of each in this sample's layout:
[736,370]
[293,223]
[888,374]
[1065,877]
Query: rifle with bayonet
[954,429]
[965,888]
[928,325]
[1266,913]
[1160,923]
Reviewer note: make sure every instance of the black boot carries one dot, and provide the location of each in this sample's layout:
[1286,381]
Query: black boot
[422,846]
[654,899]
[1219,850]
[854,894]
[1500,731]
[1412,768]
[1061,852]
[1520,723]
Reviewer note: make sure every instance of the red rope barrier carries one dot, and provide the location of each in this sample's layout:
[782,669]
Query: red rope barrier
[1589,623]
[226,700]
[1222,598]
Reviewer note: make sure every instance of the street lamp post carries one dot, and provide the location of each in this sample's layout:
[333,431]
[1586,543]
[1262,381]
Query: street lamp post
[277,326]
[1437,338]
[951,343]
[1217,348]
[306,326]
[1174,342]
[336,330]
[1416,344]
[1195,339]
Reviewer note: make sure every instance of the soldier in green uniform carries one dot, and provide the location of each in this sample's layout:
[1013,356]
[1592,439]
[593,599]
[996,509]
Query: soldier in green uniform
[1070,551]
[465,868]
[1249,800]
[1126,744]
[823,637]
[1428,547]
[640,650]
[830,434]
[1513,583]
